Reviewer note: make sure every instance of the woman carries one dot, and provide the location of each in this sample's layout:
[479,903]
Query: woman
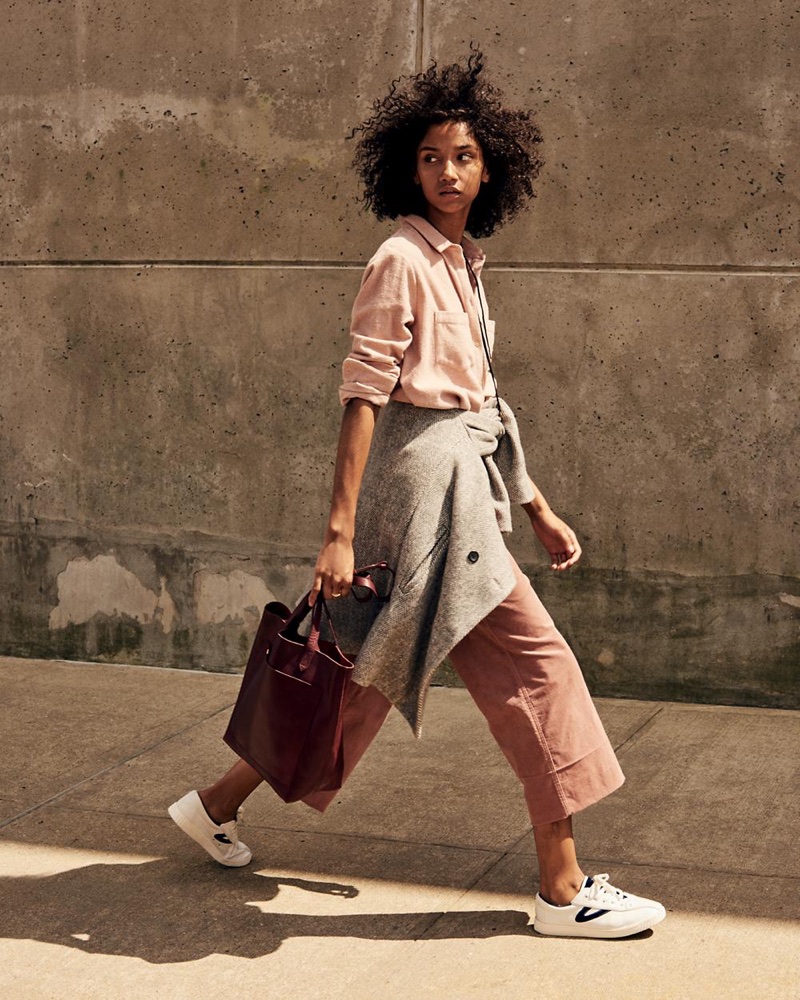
[428,487]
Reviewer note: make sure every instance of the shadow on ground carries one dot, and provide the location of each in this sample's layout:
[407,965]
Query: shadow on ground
[163,912]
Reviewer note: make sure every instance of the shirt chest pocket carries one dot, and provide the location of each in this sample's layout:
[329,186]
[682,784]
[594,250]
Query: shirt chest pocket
[453,347]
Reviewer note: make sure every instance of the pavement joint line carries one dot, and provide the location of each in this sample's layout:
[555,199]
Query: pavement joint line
[106,770]
[477,849]
[671,866]
[501,853]
[633,737]
[463,895]
[498,855]
[518,841]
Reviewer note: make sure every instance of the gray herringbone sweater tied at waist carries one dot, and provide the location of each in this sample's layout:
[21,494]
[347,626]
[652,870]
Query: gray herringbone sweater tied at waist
[435,502]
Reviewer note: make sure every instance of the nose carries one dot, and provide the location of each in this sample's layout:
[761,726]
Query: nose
[449,170]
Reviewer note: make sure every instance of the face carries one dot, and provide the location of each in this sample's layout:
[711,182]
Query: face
[450,168]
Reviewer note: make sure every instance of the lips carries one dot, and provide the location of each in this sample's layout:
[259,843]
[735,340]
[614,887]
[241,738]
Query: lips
[449,191]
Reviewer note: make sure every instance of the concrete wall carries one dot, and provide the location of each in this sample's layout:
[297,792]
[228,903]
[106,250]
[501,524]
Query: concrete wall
[182,247]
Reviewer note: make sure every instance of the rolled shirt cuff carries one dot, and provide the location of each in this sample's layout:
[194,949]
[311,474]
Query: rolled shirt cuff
[371,381]
[352,390]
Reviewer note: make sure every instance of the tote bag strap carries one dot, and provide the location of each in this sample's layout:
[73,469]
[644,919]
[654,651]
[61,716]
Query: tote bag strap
[362,578]
[312,639]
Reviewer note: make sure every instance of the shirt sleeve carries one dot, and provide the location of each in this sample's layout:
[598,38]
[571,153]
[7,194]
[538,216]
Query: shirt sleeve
[380,330]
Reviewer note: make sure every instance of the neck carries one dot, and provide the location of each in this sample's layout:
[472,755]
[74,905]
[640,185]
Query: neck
[449,225]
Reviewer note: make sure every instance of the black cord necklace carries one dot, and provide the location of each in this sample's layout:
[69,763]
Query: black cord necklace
[484,334]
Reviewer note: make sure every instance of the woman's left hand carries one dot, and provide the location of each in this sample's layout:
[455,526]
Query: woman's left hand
[558,539]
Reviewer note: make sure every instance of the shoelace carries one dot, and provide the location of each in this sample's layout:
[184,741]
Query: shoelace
[233,835]
[238,822]
[601,888]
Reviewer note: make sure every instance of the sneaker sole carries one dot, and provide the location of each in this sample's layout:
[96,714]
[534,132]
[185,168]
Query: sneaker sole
[179,817]
[567,930]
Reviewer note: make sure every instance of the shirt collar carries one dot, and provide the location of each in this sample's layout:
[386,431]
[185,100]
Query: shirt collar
[472,251]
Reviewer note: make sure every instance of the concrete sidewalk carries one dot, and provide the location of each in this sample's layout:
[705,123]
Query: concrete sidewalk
[417,883]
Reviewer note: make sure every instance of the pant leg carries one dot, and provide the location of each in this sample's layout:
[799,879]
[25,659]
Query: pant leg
[526,681]
[362,717]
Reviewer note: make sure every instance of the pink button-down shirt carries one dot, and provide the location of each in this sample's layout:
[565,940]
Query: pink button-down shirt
[415,329]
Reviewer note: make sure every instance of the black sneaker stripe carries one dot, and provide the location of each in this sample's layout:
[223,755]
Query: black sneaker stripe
[585,915]
[222,838]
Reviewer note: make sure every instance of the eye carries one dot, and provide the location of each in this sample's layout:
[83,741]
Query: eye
[465,156]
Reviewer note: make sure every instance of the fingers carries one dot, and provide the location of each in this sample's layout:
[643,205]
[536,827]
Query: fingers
[335,586]
[332,586]
[563,560]
[315,589]
[333,573]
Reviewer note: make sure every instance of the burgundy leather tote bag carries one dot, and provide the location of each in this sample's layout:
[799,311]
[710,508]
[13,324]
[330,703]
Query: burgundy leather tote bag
[287,720]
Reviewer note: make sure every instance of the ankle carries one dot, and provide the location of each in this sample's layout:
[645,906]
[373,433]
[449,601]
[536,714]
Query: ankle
[217,812]
[561,890]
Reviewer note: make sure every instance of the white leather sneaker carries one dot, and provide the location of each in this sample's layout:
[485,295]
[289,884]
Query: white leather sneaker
[219,839]
[599,910]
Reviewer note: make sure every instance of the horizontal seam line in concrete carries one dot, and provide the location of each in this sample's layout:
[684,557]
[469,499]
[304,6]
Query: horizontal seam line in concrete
[59,528]
[185,671]
[479,849]
[498,854]
[743,270]
[700,869]
[111,767]
[335,265]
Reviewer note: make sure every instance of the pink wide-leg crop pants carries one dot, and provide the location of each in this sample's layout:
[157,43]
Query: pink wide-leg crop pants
[526,681]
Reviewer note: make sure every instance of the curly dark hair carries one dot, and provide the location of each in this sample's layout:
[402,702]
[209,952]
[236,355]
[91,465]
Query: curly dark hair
[386,151]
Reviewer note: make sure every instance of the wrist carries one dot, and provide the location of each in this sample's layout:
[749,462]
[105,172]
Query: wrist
[537,509]
[339,533]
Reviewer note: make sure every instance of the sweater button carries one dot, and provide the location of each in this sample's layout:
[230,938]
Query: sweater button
[473,557]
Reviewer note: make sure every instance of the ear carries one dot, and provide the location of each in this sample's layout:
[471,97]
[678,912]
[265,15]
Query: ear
[485,176]
[416,177]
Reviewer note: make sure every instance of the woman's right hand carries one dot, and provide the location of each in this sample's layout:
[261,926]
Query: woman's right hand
[333,574]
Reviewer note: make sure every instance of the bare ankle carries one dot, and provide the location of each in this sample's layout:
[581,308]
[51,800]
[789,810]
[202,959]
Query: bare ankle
[216,814]
[561,891]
